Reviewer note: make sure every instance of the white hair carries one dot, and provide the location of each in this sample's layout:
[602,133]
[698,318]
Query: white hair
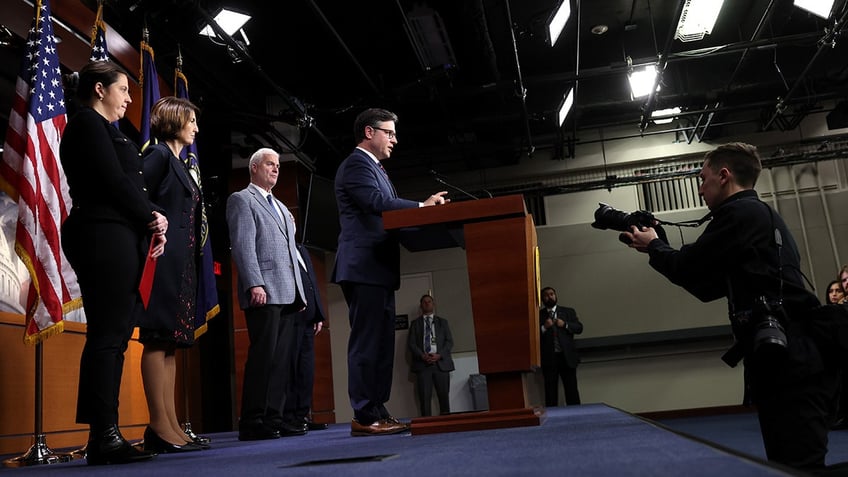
[261,153]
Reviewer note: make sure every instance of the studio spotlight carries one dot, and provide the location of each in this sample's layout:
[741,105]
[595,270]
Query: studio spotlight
[820,8]
[642,80]
[557,21]
[665,115]
[230,21]
[697,19]
[565,107]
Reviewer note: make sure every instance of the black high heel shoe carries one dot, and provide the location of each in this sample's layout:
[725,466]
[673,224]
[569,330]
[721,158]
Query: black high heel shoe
[108,446]
[154,443]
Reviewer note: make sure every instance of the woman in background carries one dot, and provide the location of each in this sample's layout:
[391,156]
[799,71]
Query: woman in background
[834,294]
[169,321]
[105,239]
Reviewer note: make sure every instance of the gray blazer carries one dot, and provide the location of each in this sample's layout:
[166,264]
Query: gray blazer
[263,248]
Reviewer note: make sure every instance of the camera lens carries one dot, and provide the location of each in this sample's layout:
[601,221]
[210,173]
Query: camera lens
[607,217]
[769,336]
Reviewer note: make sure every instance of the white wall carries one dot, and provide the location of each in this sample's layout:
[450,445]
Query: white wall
[615,292]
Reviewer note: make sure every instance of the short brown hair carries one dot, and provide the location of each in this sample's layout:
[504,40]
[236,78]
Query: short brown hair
[742,159]
[370,117]
[169,115]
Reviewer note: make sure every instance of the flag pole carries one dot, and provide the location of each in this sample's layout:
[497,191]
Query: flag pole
[39,453]
[186,401]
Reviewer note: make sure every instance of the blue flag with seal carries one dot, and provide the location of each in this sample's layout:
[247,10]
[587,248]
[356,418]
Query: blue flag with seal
[207,291]
[149,80]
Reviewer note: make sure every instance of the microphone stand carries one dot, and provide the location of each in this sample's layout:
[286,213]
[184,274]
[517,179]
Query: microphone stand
[451,186]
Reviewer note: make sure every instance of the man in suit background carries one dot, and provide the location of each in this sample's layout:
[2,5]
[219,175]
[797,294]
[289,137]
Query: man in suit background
[308,323]
[367,268]
[559,324]
[269,290]
[430,343]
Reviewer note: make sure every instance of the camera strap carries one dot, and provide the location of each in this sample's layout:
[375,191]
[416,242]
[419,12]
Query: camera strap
[688,223]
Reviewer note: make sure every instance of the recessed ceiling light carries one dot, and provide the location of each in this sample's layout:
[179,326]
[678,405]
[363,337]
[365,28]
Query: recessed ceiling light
[599,29]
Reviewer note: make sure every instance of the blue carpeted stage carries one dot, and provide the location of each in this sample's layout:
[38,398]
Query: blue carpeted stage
[588,440]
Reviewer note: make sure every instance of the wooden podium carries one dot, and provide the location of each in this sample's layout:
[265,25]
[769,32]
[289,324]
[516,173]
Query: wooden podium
[500,246]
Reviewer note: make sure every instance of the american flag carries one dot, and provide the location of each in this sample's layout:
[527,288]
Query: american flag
[32,174]
[99,50]
[207,291]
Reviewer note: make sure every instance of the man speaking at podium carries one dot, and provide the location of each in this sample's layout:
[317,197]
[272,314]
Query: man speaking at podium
[368,269]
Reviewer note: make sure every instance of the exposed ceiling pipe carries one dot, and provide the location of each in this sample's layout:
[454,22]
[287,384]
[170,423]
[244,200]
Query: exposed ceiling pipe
[408,29]
[754,37]
[344,47]
[522,92]
[696,54]
[576,69]
[827,41]
[661,64]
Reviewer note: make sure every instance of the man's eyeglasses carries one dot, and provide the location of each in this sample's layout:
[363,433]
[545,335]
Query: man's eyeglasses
[391,134]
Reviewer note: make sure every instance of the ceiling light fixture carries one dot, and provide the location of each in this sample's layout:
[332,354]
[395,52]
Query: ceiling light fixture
[565,107]
[599,29]
[557,21]
[670,113]
[642,80]
[821,8]
[230,21]
[698,19]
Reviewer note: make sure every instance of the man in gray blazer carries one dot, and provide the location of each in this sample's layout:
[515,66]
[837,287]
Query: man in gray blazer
[430,343]
[269,288]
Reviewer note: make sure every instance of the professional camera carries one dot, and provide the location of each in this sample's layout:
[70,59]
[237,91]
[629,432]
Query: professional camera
[767,328]
[607,217]
[758,331]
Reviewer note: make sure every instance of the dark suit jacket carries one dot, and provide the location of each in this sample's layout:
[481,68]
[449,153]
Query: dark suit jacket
[367,253]
[444,343]
[170,186]
[565,334]
[314,311]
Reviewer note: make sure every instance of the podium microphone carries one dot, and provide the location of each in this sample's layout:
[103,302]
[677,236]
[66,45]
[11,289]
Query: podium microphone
[439,179]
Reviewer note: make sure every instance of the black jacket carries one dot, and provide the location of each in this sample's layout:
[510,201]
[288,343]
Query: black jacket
[565,335]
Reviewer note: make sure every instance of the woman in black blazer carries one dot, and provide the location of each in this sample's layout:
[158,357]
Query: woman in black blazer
[104,240]
[169,321]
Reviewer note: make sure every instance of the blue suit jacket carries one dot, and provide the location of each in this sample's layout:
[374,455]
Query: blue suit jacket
[263,248]
[367,253]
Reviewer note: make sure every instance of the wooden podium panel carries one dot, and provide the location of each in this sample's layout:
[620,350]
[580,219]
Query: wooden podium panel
[501,249]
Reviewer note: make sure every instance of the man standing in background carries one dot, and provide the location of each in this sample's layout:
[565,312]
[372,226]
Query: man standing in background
[430,343]
[559,324]
[309,323]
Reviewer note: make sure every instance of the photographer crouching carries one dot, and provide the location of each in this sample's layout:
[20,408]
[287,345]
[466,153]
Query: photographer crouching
[747,254]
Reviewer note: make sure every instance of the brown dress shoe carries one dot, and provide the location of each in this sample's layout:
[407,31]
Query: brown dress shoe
[377,428]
